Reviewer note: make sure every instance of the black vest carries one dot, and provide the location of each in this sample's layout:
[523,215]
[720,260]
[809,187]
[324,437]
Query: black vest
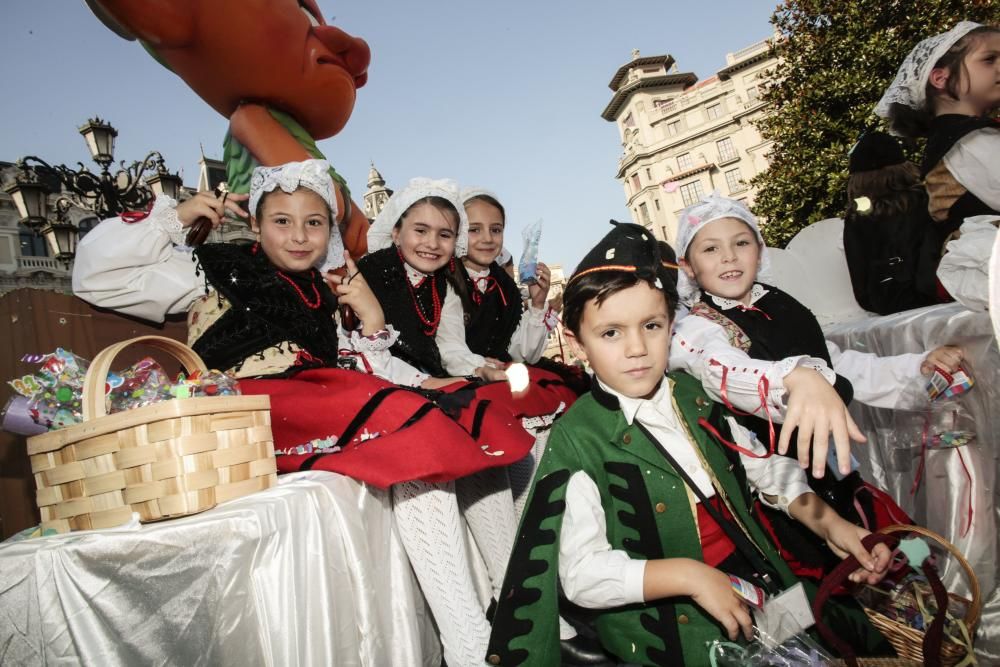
[265,309]
[495,315]
[946,130]
[387,278]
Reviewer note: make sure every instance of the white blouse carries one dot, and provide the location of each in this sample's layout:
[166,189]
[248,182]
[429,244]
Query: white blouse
[974,161]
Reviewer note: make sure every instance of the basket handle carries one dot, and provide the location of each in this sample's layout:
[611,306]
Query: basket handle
[932,640]
[93,403]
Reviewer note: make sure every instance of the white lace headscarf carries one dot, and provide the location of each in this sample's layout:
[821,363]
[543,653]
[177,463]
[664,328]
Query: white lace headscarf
[909,88]
[310,174]
[469,193]
[695,217]
[380,233]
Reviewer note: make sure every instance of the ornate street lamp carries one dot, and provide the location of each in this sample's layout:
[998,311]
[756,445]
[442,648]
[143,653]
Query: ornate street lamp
[106,194]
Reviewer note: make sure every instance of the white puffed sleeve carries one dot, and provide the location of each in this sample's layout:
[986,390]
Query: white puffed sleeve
[373,355]
[137,268]
[778,479]
[701,347]
[593,575]
[529,339]
[881,382]
[973,163]
[963,269]
[456,356]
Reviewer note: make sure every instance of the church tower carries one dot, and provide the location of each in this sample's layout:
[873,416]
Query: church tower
[376,195]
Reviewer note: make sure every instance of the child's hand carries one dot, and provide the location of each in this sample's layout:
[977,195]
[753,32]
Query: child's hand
[353,290]
[438,383]
[538,291]
[815,408]
[712,592]
[844,539]
[491,374]
[207,205]
[947,357]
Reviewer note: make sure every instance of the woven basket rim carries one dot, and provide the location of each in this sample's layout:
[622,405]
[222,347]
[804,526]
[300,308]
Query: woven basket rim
[186,407]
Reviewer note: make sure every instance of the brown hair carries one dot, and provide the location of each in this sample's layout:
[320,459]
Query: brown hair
[454,272]
[913,123]
[491,201]
[599,285]
[894,191]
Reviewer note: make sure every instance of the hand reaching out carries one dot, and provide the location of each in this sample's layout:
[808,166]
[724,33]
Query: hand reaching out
[947,357]
[353,290]
[539,290]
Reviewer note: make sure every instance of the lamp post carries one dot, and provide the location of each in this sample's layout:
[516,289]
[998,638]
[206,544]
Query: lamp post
[106,194]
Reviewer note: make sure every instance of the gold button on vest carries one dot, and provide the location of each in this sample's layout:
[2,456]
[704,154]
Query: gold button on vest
[700,402]
[661,507]
[682,619]
[627,438]
[493,659]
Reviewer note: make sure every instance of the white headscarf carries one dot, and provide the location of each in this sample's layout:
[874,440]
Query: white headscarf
[909,88]
[313,175]
[693,218]
[380,233]
[469,193]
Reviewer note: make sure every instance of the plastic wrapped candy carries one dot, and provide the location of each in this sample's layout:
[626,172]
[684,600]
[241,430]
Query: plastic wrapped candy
[54,390]
[527,268]
[210,383]
[143,383]
[797,651]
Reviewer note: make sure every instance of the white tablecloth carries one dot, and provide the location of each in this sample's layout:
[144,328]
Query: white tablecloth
[952,478]
[310,572]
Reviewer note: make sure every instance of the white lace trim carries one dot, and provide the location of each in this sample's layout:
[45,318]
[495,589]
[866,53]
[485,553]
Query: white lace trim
[376,342]
[415,277]
[164,215]
[756,293]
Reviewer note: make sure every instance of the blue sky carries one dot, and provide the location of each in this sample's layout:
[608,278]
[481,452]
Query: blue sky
[507,96]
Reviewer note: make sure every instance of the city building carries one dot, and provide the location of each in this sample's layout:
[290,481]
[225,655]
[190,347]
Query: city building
[376,195]
[683,138]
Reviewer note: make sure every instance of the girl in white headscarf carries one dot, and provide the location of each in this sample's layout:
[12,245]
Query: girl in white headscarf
[945,90]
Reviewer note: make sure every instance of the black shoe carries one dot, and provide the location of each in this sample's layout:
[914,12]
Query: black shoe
[582,650]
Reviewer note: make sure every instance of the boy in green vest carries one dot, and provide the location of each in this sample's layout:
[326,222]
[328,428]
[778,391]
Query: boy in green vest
[640,507]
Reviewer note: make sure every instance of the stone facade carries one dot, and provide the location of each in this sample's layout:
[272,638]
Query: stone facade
[376,195]
[683,138]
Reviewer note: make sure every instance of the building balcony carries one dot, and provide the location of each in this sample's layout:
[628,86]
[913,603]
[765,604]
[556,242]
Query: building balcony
[48,264]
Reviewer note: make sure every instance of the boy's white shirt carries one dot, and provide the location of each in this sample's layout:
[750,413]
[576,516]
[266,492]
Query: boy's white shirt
[141,269]
[594,575]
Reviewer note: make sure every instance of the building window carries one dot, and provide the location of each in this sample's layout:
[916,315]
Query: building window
[691,192]
[713,111]
[734,179]
[32,245]
[649,174]
[727,151]
[644,213]
[86,225]
[635,183]
[663,105]
[656,202]
[752,94]
[673,128]
[684,161]
[664,230]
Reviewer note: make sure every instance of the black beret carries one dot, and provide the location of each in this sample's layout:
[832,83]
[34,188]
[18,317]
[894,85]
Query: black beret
[875,150]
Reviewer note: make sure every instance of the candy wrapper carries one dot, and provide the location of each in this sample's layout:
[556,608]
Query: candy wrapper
[943,384]
[210,383]
[527,268]
[143,383]
[797,651]
[53,391]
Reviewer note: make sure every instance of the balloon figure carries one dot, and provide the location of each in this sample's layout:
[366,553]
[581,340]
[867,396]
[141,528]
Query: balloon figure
[282,76]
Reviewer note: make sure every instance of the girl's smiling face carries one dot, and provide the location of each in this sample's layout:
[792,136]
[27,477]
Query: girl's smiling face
[425,236]
[486,226]
[294,229]
[723,259]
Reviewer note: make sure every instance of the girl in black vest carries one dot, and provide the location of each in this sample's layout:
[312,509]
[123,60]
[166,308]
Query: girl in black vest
[946,90]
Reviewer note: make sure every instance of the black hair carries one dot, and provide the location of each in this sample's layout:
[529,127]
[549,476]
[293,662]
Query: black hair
[895,191]
[912,123]
[454,271]
[599,285]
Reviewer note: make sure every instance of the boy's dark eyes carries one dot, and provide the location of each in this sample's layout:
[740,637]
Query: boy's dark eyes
[610,333]
[652,326]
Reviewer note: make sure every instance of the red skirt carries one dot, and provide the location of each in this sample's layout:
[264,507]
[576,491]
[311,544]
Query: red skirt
[383,434]
[546,394]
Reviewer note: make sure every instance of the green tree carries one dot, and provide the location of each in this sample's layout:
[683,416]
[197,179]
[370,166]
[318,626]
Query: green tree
[836,59]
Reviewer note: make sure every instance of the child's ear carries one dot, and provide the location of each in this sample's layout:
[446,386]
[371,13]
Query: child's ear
[686,268]
[395,235]
[254,225]
[939,78]
[574,344]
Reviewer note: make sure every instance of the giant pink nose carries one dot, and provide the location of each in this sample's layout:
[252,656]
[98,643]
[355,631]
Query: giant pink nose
[352,51]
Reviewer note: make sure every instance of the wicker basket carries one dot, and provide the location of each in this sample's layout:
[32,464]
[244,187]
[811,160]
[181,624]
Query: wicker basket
[908,641]
[163,460]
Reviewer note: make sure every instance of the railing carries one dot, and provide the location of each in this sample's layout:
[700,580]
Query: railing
[41,263]
[752,49]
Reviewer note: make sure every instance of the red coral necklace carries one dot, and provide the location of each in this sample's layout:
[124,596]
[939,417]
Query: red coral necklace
[302,295]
